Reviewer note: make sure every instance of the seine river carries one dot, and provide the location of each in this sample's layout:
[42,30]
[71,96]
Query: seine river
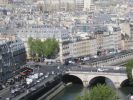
[71,92]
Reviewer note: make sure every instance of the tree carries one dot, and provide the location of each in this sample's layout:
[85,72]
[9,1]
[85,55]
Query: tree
[51,47]
[129,67]
[99,92]
[48,48]
[30,45]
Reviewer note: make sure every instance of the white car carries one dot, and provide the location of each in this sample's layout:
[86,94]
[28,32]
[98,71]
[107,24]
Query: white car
[95,56]
[46,76]
[131,97]
[117,68]
[100,70]
[71,62]
[58,67]
[7,98]
[52,72]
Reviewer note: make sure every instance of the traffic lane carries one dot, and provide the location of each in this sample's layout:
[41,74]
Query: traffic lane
[5,93]
[104,58]
[110,71]
[50,78]
[4,90]
[45,69]
[91,69]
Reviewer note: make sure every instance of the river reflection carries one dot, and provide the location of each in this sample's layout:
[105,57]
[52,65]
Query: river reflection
[71,92]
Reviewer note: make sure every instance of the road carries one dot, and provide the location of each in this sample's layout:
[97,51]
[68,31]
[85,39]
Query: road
[107,69]
[105,58]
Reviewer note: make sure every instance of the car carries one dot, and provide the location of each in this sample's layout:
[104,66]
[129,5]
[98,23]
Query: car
[58,67]
[58,61]
[38,81]
[53,73]
[117,68]
[32,89]
[100,70]
[82,63]
[42,78]
[71,62]
[131,98]
[7,98]
[46,76]
[40,74]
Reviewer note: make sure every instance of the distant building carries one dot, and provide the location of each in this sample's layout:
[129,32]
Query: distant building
[88,5]
[65,5]
[3,2]
[131,39]
[12,56]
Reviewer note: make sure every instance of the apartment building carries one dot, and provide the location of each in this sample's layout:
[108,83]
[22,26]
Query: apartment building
[65,5]
[3,2]
[112,41]
[12,56]
[108,38]
[83,47]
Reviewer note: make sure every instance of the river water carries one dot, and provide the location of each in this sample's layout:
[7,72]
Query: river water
[72,91]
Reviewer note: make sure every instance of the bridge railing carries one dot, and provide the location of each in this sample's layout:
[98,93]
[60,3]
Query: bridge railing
[96,73]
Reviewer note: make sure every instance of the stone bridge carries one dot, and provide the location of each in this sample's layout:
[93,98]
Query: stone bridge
[87,77]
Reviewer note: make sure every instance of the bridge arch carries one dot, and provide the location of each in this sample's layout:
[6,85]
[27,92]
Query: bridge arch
[115,79]
[125,83]
[67,78]
[100,80]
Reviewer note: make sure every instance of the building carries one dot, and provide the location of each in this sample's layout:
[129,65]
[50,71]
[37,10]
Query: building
[12,56]
[3,2]
[131,36]
[83,47]
[108,39]
[79,5]
[88,5]
[65,5]
[43,32]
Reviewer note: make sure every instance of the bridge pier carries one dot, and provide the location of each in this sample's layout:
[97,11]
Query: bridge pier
[85,84]
[117,85]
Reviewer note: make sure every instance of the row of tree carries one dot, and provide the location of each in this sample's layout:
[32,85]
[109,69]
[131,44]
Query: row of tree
[99,92]
[48,48]
[129,67]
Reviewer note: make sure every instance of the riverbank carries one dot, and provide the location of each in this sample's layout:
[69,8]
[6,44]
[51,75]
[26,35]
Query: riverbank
[72,91]
[53,92]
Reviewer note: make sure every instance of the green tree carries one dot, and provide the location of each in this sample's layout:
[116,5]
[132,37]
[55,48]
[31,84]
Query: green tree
[99,92]
[30,45]
[129,67]
[51,47]
[48,48]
